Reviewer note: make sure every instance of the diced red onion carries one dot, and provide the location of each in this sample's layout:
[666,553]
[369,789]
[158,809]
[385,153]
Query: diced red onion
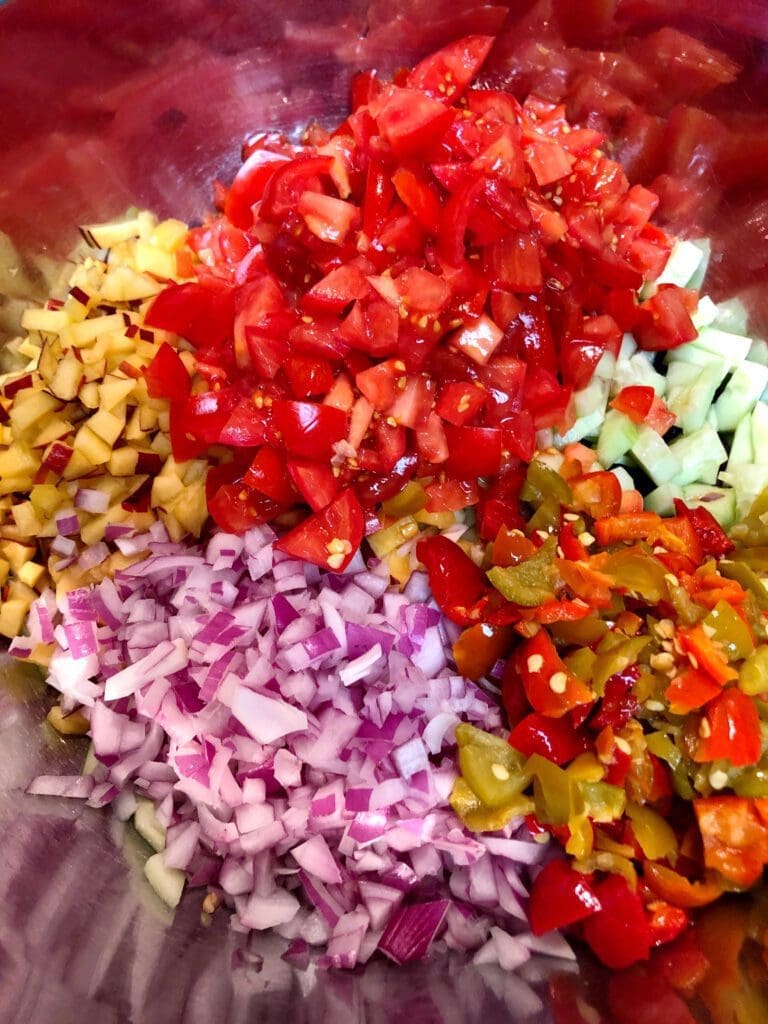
[224,701]
[90,500]
[67,522]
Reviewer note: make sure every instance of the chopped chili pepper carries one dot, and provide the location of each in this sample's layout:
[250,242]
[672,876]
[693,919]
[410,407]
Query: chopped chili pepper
[619,933]
[457,584]
[550,687]
[553,738]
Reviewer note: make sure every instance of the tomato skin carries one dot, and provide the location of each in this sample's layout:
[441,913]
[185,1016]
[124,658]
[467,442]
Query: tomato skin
[561,896]
[201,311]
[669,323]
[289,182]
[267,475]
[307,429]
[308,376]
[314,540]
[198,421]
[315,482]
[713,539]
[246,427]
[410,121]
[459,403]
[447,73]
[236,509]
[248,186]
[166,375]
[473,451]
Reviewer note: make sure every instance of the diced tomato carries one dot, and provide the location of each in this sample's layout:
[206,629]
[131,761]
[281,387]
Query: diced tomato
[473,451]
[478,339]
[640,997]
[336,290]
[713,539]
[307,429]
[447,73]
[235,508]
[668,323]
[167,376]
[599,494]
[201,312]
[267,474]
[248,187]
[413,402]
[315,482]
[418,197]
[246,427]
[290,181]
[431,442]
[460,402]
[330,537]
[410,121]
[451,495]
[308,376]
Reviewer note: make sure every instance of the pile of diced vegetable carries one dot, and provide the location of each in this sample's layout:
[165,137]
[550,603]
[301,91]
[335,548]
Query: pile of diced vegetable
[407,514]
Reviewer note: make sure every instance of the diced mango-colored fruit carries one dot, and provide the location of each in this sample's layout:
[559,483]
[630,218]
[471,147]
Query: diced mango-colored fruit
[107,425]
[121,284]
[49,320]
[106,236]
[89,395]
[52,428]
[45,499]
[170,234]
[16,554]
[123,461]
[115,390]
[13,615]
[30,406]
[66,380]
[151,259]
[26,518]
[92,447]
[31,573]
[5,568]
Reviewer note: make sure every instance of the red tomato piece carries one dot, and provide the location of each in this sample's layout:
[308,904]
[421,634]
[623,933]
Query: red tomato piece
[430,441]
[422,291]
[641,997]
[315,482]
[377,200]
[460,402]
[413,402]
[561,896]
[330,537]
[447,73]
[514,262]
[451,495]
[268,475]
[307,429]
[289,182]
[599,494]
[167,376]
[478,339]
[329,218]
[308,376]
[473,451]
[410,121]
[419,197]
[690,690]
[337,290]
[246,427]
[235,508]
[202,312]
[668,324]
[249,184]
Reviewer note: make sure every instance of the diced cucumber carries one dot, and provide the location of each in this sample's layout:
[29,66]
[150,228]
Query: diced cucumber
[606,368]
[701,454]
[617,436]
[747,480]
[731,348]
[589,405]
[637,370]
[706,313]
[627,349]
[654,455]
[662,498]
[696,279]
[146,823]
[167,882]
[758,352]
[720,501]
[732,316]
[760,433]
[691,398]
[741,452]
[684,261]
[740,395]
[692,355]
